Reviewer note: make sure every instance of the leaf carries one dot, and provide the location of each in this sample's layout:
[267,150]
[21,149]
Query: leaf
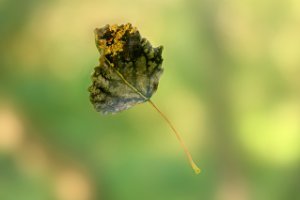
[128,73]
[124,55]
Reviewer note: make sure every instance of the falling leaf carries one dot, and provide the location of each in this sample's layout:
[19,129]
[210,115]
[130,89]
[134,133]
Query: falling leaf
[131,56]
[128,73]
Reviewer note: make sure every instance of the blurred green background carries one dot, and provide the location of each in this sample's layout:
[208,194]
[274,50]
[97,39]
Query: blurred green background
[231,86]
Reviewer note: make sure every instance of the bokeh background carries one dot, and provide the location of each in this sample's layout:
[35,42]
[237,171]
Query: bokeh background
[231,86]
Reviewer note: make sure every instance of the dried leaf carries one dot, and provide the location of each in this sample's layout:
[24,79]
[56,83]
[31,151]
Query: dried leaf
[128,73]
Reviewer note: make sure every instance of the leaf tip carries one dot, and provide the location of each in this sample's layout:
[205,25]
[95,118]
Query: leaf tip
[196,169]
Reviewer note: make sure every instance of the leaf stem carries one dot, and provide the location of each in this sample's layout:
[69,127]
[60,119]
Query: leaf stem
[191,161]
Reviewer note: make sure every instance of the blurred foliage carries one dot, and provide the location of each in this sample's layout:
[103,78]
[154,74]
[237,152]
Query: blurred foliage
[231,85]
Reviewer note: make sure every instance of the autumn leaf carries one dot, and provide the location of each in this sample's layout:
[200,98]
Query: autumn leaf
[128,73]
[125,57]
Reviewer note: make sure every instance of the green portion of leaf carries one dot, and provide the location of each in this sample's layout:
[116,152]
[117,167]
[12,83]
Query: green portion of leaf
[128,72]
